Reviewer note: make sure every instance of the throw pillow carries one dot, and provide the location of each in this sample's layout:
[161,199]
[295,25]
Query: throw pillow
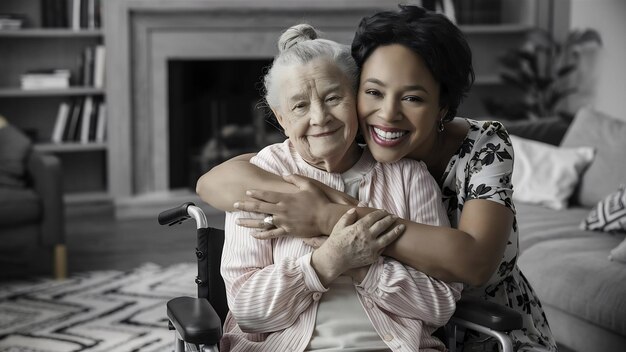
[619,253]
[545,174]
[14,148]
[608,170]
[609,215]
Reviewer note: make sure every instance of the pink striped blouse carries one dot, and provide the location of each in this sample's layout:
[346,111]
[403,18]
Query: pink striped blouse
[273,292]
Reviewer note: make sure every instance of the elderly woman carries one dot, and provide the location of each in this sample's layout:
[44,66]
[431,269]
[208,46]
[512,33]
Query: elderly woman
[284,295]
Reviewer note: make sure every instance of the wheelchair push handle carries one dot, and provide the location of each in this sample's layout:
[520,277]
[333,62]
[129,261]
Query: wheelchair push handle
[179,214]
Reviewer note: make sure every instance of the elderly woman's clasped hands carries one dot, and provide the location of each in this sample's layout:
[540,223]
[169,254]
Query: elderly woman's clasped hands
[353,243]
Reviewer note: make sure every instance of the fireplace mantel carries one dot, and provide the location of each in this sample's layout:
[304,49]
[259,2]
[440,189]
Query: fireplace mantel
[142,35]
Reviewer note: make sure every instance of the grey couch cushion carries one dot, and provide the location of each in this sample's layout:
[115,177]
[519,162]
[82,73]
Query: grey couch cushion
[14,148]
[18,205]
[608,170]
[575,276]
[538,224]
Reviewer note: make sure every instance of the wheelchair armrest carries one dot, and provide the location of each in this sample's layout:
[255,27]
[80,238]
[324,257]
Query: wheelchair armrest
[195,320]
[488,314]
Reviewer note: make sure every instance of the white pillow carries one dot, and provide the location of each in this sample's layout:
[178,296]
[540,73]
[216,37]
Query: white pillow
[545,174]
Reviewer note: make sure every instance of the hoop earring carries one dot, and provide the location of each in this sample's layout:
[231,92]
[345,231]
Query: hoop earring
[441,126]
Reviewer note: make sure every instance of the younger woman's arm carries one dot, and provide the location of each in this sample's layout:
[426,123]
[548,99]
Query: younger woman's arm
[228,182]
[469,253]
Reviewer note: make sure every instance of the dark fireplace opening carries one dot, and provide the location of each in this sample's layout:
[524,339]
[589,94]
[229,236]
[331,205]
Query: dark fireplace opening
[215,113]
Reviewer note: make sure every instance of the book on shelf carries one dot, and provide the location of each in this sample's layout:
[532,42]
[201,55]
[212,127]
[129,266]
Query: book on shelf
[73,14]
[92,13]
[11,21]
[91,70]
[98,70]
[93,121]
[85,14]
[45,79]
[478,11]
[449,10]
[101,126]
[54,13]
[72,127]
[85,120]
[60,123]
[445,7]
[81,120]
[87,65]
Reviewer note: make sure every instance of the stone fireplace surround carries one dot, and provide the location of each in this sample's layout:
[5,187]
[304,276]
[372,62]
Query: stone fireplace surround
[142,35]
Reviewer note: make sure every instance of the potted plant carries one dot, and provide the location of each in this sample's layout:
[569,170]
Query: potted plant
[542,69]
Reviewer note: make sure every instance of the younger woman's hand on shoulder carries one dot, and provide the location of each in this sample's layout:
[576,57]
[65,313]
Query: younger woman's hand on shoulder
[296,214]
[333,195]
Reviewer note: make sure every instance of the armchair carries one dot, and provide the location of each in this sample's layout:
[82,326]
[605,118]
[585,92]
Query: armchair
[32,223]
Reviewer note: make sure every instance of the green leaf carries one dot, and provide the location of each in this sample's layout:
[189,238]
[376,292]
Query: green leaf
[510,61]
[514,80]
[565,70]
[580,37]
[540,37]
[531,59]
[544,82]
[557,96]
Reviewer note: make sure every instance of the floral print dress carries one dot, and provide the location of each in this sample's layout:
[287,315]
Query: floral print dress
[481,169]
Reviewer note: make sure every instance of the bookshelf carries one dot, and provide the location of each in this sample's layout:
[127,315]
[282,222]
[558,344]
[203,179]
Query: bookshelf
[70,147]
[50,39]
[51,33]
[70,91]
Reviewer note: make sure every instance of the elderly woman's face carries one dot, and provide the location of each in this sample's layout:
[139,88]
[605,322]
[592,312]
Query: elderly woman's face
[318,112]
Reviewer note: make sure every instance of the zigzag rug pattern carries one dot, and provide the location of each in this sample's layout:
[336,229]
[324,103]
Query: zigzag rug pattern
[99,311]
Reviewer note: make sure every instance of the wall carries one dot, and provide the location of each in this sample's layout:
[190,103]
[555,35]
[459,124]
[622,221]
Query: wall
[606,83]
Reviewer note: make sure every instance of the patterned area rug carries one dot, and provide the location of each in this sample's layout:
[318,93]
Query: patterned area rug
[98,311]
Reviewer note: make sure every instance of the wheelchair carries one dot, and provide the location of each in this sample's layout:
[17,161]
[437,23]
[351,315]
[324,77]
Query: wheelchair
[198,322]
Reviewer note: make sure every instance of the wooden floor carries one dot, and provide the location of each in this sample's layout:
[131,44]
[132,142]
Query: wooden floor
[99,241]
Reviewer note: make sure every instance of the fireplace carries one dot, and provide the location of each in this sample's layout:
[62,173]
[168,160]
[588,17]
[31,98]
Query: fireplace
[215,112]
[148,41]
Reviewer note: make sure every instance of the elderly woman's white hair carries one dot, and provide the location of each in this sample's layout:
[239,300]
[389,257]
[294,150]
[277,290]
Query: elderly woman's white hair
[301,44]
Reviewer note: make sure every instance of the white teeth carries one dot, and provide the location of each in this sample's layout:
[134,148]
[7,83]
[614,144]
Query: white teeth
[389,135]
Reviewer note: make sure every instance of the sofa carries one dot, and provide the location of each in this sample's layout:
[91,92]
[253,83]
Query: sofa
[569,198]
[32,223]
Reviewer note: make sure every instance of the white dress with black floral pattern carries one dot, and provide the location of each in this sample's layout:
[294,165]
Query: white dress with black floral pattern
[481,169]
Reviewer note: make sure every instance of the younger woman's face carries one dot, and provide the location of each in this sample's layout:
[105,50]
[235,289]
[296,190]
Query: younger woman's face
[398,104]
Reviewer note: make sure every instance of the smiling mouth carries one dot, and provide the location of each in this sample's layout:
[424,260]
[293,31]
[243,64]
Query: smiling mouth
[387,137]
[324,134]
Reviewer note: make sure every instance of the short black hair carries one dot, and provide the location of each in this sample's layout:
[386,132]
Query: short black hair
[438,41]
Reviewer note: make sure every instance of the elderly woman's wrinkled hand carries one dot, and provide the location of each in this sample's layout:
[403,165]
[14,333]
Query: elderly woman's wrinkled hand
[355,243]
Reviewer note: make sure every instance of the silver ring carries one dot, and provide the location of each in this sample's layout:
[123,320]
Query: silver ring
[269,220]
